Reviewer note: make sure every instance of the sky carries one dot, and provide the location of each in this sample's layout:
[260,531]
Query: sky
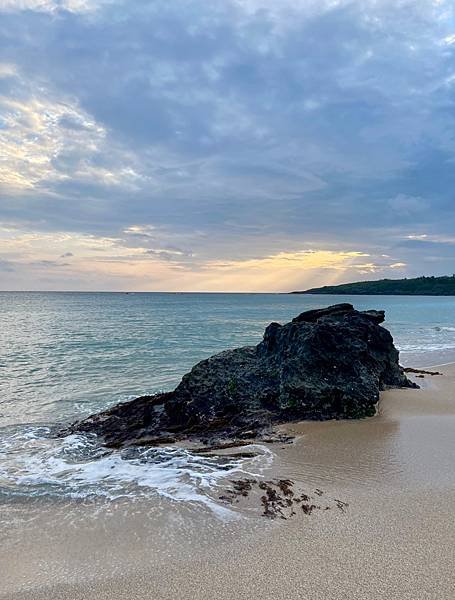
[225,145]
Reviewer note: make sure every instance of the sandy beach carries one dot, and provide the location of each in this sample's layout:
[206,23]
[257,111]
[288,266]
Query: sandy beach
[394,540]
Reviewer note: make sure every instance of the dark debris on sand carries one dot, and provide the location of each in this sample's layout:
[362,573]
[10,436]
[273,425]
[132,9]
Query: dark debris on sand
[279,498]
[420,372]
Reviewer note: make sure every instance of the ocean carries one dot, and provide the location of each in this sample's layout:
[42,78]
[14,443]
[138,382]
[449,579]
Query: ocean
[64,356]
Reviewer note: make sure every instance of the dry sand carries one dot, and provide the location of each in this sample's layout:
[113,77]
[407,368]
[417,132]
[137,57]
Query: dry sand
[395,540]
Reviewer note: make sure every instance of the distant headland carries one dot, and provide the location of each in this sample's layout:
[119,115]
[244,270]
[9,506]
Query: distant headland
[419,286]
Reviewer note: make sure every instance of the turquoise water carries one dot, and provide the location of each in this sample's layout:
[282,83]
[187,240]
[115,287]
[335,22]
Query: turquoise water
[66,355]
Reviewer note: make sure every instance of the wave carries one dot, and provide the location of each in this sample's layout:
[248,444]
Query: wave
[436,338]
[428,347]
[34,464]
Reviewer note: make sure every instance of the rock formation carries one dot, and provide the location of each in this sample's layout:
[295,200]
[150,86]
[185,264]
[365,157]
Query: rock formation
[325,364]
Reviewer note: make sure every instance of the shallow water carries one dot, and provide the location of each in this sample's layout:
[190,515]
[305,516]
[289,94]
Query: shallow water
[66,355]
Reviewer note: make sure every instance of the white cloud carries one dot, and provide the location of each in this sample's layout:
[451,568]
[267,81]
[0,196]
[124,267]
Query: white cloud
[52,6]
[7,70]
[46,139]
[33,138]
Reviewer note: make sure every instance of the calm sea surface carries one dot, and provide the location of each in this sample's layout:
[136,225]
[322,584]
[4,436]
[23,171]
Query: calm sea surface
[66,355]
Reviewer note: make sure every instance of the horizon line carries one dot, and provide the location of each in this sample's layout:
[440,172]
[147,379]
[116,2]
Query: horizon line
[129,292]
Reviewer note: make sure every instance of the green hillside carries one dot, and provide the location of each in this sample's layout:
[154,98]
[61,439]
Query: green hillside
[420,286]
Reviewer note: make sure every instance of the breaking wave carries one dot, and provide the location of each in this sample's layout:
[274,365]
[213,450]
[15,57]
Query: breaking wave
[35,464]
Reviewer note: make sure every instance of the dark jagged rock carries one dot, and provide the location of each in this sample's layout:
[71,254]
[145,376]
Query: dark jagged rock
[325,364]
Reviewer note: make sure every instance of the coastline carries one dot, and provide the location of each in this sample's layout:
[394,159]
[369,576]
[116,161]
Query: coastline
[395,539]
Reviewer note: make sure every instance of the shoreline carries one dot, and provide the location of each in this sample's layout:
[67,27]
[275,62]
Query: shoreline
[395,539]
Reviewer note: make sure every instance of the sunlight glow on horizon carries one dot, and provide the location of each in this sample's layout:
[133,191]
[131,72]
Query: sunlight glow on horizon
[111,263]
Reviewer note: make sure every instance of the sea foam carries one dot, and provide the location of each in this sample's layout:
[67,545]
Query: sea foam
[33,463]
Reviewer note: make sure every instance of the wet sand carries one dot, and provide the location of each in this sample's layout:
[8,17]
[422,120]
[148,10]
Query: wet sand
[395,540]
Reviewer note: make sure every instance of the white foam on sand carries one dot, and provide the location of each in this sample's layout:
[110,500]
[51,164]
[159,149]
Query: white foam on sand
[32,463]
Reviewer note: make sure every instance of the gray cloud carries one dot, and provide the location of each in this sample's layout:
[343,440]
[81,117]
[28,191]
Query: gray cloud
[235,128]
[6,266]
[48,264]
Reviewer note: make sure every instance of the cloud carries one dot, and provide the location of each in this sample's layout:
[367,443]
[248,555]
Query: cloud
[170,253]
[122,263]
[48,141]
[227,131]
[48,264]
[407,205]
[6,266]
[51,6]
